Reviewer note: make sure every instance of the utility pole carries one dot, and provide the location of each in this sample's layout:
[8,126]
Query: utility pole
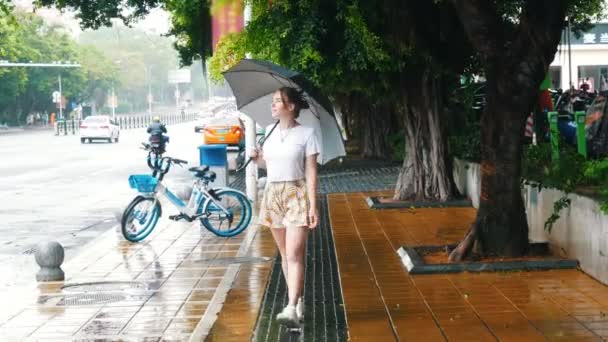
[60,99]
[149,90]
[113,102]
[569,57]
[177,97]
[251,172]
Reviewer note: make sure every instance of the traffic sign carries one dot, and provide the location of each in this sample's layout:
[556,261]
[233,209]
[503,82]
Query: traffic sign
[179,76]
[61,104]
[56,96]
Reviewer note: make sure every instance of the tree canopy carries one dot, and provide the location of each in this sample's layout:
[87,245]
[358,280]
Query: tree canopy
[141,59]
[25,89]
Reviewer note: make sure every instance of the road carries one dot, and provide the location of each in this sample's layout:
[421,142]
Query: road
[54,187]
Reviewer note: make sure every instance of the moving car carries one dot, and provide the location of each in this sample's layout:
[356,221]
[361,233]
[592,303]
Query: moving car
[199,125]
[225,130]
[202,120]
[99,127]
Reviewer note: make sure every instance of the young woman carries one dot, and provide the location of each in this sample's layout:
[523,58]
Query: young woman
[289,205]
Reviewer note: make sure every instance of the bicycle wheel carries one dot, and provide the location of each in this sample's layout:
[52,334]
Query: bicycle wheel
[227,224]
[140,218]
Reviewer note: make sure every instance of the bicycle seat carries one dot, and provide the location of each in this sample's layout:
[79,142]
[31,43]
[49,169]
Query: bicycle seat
[202,168]
[203,172]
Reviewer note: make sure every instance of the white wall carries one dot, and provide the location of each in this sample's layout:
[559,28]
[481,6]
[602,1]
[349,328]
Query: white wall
[581,232]
[582,55]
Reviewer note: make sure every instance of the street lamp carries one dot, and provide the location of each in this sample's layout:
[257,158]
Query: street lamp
[113,96]
[113,102]
[149,74]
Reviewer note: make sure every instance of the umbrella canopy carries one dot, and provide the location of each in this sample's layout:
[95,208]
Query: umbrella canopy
[253,82]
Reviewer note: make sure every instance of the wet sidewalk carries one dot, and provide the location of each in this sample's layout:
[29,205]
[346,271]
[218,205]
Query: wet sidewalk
[384,303]
[170,288]
[181,284]
[184,284]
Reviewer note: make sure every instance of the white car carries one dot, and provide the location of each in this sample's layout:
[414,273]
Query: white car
[99,127]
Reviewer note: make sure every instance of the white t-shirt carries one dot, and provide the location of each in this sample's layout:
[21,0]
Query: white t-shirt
[285,152]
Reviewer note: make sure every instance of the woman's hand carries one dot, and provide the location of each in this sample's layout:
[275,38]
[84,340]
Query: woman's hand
[313,217]
[256,154]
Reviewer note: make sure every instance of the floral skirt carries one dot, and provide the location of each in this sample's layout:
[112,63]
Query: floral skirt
[285,204]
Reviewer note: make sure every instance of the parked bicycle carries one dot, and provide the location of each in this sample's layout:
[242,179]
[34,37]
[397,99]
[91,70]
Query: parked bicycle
[221,210]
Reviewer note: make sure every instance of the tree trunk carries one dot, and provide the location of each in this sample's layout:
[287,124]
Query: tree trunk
[375,131]
[514,65]
[426,173]
[343,102]
[501,226]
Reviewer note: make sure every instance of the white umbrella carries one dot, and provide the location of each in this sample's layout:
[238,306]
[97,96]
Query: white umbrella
[253,84]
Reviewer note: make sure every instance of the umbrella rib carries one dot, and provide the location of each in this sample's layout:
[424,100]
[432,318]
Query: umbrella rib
[279,79]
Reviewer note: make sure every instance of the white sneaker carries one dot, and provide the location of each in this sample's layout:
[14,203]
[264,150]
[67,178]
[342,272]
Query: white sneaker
[288,317]
[300,309]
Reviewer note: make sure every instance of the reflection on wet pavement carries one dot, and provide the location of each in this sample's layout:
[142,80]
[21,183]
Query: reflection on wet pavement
[384,302]
[121,291]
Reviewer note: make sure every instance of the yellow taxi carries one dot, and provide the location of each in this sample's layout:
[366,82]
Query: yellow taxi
[225,130]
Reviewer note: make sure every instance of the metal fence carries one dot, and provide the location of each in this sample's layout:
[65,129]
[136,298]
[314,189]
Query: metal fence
[65,127]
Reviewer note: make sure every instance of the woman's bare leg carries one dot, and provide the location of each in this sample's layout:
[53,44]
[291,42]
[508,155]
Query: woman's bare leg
[279,237]
[295,243]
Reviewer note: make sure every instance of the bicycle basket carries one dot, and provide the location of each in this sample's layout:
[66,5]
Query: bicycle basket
[143,183]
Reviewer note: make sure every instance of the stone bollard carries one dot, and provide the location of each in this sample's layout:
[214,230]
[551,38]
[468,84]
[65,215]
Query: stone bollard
[49,256]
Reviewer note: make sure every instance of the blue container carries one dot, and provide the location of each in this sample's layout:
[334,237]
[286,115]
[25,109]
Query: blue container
[568,130]
[213,155]
[143,183]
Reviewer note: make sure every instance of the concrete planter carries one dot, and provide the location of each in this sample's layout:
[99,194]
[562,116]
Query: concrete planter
[580,233]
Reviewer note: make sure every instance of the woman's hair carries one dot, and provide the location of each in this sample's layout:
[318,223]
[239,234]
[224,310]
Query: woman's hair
[292,95]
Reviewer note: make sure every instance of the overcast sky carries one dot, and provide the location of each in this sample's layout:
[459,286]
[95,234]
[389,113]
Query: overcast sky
[157,21]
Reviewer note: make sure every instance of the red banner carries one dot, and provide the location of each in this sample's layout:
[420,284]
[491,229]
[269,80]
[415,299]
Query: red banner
[227,19]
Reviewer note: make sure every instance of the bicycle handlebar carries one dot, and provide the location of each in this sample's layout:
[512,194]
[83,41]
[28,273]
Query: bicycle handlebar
[158,163]
[178,161]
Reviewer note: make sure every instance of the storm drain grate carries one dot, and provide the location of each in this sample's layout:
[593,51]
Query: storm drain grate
[233,260]
[324,317]
[90,299]
[98,293]
[106,286]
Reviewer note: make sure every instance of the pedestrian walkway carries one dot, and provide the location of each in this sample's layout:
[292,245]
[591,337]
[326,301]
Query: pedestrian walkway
[168,289]
[184,284]
[384,303]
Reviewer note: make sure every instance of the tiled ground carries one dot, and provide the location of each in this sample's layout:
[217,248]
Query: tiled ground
[378,301]
[180,287]
[239,314]
[384,303]
[351,176]
[324,317]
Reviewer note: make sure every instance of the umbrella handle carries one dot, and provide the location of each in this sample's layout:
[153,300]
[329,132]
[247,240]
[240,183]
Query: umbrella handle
[262,141]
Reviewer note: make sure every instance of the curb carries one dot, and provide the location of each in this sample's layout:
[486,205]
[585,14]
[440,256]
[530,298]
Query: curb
[374,203]
[415,264]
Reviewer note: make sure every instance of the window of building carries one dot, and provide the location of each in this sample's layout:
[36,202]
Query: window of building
[595,76]
[556,77]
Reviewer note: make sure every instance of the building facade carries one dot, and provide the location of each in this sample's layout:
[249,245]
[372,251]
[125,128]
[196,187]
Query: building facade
[584,60]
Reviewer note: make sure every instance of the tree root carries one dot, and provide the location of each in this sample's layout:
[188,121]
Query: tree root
[465,246]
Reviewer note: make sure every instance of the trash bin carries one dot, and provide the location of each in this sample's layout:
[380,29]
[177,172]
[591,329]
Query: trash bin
[213,155]
[216,157]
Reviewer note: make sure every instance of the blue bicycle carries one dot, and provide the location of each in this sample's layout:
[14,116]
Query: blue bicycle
[222,210]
